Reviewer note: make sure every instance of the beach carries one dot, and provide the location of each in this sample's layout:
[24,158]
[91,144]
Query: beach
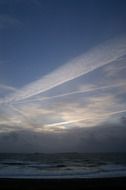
[34,184]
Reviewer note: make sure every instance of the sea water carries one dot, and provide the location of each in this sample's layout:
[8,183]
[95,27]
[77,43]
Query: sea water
[62,165]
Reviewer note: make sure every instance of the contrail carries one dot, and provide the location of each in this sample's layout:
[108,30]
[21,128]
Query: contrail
[79,120]
[64,123]
[9,88]
[93,59]
[74,93]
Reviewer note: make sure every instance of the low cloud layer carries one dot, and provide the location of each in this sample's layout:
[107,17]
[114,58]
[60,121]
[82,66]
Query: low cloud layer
[104,138]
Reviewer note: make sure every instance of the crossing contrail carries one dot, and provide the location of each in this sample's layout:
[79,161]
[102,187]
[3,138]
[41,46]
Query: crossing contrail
[95,58]
[92,89]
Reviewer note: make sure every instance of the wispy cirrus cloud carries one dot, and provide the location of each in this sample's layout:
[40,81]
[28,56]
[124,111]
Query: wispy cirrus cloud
[62,115]
[94,59]
[27,108]
[82,91]
[114,71]
[8,88]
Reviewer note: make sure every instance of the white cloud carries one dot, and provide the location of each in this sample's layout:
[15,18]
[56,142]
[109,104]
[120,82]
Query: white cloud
[7,88]
[95,58]
[87,106]
[62,115]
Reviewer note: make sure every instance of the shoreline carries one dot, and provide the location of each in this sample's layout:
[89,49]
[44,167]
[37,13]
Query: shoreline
[72,183]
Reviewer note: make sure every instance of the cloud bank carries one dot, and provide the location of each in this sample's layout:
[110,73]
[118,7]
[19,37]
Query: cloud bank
[105,138]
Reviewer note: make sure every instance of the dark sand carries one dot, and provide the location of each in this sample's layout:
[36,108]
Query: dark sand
[101,183]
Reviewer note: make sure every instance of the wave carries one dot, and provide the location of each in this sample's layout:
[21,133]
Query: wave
[61,171]
[62,165]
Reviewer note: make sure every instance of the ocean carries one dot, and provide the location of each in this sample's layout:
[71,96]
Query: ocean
[62,165]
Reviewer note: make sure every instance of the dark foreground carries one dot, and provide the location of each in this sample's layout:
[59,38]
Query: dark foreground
[102,183]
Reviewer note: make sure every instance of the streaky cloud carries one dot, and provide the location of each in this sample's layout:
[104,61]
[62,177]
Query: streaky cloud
[92,89]
[64,123]
[8,88]
[97,57]
[80,120]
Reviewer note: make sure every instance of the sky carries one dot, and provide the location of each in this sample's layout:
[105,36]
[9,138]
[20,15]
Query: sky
[62,76]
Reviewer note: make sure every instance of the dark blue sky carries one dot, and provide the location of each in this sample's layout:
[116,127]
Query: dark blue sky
[38,36]
[63,74]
